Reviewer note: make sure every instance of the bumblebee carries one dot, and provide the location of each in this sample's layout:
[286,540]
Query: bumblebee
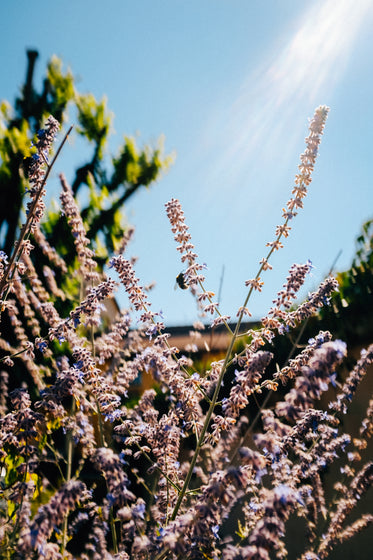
[180,281]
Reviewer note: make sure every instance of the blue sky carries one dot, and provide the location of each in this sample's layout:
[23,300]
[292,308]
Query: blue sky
[231,84]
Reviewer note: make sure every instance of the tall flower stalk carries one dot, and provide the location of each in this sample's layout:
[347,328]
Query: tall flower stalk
[39,172]
[302,181]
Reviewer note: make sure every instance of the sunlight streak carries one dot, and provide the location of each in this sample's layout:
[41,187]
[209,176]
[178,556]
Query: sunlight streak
[302,75]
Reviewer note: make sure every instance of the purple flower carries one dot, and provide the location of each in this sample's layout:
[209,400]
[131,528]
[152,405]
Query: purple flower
[215,531]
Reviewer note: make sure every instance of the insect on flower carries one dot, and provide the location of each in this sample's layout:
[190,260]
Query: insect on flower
[180,280]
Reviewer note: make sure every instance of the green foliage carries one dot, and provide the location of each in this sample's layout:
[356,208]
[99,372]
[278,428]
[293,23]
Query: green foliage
[109,180]
[350,314]
[60,90]
[356,284]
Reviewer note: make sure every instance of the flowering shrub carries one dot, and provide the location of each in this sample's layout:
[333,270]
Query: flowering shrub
[89,472]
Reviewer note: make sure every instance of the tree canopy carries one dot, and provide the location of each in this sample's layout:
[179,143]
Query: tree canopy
[350,313]
[110,179]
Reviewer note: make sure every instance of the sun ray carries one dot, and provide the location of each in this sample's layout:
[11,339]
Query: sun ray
[281,90]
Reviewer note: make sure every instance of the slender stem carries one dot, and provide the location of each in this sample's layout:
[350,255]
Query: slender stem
[57,456]
[17,253]
[216,392]
[175,486]
[204,428]
[100,425]
[217,311]
[167,498]
[99,414]
[269,394]
[70,445]
[19,508]
[113,531]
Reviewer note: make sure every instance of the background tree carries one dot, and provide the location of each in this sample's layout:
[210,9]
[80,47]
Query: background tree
[110,180]
[351,314]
